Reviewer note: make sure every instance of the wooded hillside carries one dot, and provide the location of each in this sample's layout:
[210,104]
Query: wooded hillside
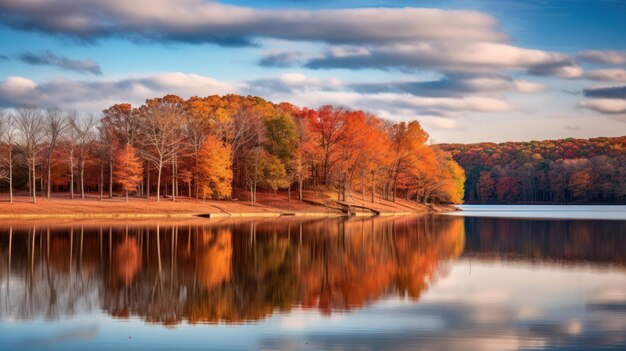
[556,171]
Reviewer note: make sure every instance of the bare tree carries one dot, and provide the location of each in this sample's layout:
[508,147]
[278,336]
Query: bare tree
[84,129]
[30,126]
[105,152]
[56,123]
[161,135]
[7,137]
[71,135]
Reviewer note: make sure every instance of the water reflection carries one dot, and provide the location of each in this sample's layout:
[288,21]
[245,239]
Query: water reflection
[567,242]
[240,271]
[439,282]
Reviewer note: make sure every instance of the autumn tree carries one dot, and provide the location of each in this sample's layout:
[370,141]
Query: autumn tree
[128,169]
[215,169]
[282,141]
[119,125]
[55,124]
[254,167]
[485,186]
[161,134]
[328,127]
[407,139]
[30,127]
[7,140]
[273,173]
[245,134]
[580,183]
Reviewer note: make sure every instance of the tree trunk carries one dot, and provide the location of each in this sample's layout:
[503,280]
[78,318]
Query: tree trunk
[254,193]
[148,180]
[363,188]
[289,193]
[82,179]
[49,186]
[373,187]
[176,178]
[10,174]
[30,178]
[126,195]
[173,180]
[159,181]
[101,182]
[110,173]
[72,174]
[34,183]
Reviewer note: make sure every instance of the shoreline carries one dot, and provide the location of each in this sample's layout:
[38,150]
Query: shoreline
[95,208]
[211,215]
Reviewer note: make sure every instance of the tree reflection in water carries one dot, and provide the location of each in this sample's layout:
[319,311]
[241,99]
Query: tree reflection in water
[239,271]
[230,272]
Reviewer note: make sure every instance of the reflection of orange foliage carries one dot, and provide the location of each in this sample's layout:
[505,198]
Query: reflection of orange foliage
[419,264]
[214,261]
[376,259]
[59,254]
[235,272]
[127,260]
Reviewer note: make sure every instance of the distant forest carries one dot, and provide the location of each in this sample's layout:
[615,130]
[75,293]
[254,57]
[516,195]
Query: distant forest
[569,170]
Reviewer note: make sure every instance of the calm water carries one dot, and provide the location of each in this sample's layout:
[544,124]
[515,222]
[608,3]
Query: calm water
[438,282]
[544,211]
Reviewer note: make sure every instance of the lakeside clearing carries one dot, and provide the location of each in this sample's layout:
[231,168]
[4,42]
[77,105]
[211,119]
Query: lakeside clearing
[267,205]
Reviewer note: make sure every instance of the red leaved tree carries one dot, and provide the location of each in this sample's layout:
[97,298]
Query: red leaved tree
[128,169]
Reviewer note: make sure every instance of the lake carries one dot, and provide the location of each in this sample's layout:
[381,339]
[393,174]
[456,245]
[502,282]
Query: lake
[449,282]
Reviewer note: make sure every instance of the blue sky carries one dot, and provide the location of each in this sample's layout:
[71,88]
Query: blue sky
[468,70]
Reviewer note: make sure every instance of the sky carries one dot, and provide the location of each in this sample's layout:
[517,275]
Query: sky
[469,71]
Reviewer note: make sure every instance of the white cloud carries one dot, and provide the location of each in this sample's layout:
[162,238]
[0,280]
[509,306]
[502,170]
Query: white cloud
[610,106]
[415,38]
[608,75]
[211,21]
[434,122]
[497,84]
[96,95]
[17,85]
[450,56]
[603,56]
[436,112]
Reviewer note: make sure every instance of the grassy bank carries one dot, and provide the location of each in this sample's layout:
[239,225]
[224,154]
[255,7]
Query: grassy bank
[268,205]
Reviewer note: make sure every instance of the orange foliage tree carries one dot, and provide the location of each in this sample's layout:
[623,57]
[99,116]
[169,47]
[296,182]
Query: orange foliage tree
[214,169]
[128,170]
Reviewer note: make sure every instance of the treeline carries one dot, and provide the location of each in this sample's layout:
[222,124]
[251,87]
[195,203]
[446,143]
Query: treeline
[206,147]
[550,171]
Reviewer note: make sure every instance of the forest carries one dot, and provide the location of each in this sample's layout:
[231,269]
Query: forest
[221,147]
[551,171]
